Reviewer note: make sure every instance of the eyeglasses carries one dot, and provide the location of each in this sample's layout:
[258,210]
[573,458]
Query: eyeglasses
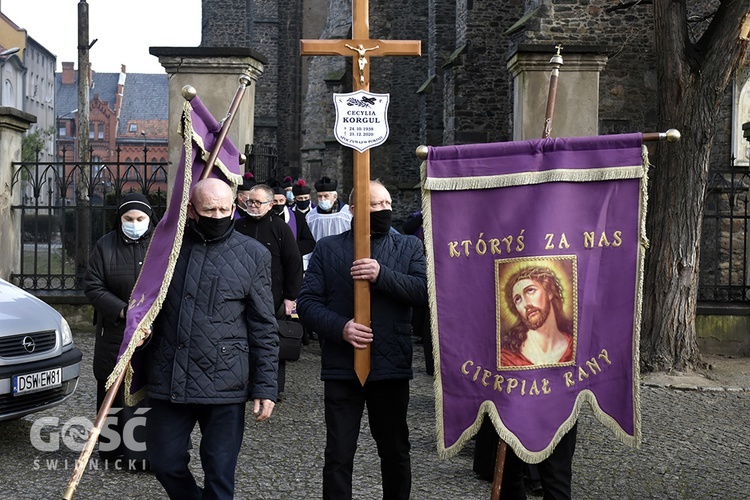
[256,203]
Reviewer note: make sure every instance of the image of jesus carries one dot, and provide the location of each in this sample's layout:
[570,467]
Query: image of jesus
[542,334]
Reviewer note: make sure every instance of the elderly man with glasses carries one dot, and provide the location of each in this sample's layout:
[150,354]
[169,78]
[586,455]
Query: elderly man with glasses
[260,222]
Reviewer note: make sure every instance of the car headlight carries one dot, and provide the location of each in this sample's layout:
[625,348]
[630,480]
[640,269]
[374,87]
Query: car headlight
[67,335]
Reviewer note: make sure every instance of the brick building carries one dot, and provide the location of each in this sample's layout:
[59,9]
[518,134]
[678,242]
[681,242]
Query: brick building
[128,121]
[127,111]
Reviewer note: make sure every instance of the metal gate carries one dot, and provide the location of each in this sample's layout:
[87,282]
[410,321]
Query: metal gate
[724,240]
[66,207]
[262,161]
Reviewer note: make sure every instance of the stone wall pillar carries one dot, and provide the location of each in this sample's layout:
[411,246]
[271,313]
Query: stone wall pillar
[215,73]
[577,105]
[13,124]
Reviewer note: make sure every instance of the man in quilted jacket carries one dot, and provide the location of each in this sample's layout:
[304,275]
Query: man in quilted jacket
[213,346]
[396,273]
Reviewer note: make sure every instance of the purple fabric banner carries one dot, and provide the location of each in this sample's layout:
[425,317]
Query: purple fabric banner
[535,264]
[199,129]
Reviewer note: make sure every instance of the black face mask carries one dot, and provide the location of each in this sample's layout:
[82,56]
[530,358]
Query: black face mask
[211,228]
[278,209]
[303,205]
[380,221]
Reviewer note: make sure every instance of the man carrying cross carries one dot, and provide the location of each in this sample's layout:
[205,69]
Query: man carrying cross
[397,275]
[398,279]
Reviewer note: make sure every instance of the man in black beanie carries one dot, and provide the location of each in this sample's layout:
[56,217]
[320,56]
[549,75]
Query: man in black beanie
[295,221]
[302,202]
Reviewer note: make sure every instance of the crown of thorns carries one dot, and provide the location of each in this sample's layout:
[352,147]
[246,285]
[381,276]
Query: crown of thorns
[537,273]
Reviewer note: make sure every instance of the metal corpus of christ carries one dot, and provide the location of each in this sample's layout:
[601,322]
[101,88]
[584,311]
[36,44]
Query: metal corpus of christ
[363,48]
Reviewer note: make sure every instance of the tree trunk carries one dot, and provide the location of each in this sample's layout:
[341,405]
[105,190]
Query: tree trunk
[692,79]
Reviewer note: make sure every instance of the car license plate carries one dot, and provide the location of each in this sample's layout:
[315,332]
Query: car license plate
[39,381]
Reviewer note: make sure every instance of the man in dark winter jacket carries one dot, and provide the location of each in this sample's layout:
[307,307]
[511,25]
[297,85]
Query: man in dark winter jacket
[213,346]
[396,273]
[260,222]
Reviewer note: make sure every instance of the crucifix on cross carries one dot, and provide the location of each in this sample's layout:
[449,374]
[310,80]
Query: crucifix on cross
[363,48]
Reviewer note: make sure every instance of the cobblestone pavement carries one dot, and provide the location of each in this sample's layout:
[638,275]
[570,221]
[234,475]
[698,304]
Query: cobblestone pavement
[696,445]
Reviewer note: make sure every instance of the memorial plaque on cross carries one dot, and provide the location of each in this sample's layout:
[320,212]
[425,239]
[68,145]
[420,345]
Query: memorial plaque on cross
[363,48]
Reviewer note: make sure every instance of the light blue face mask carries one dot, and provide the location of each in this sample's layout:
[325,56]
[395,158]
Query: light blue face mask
[289,196]
[136,229]
[325,205]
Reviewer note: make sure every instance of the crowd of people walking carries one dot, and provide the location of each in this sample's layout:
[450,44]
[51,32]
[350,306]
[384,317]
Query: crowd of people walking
[250,265]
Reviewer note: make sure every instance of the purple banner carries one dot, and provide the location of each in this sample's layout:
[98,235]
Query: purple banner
[199,129]
[535,263]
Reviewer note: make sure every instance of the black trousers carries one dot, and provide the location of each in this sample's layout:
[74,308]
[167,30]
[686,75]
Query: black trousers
[555,472]
[168,440]
[387,402]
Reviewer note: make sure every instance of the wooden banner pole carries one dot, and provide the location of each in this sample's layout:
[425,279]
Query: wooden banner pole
[556,62]
[225,124]
[88,447]
[497,478]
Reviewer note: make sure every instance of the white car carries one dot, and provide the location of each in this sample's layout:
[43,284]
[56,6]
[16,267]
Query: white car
[39,364]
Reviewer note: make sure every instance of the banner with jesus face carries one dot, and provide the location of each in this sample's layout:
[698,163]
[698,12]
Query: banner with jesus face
[535,266]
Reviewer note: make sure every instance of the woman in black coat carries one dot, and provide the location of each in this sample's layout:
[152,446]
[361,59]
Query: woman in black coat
[114,265]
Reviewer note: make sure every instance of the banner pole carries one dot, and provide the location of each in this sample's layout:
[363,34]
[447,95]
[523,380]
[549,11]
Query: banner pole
[671,135]
[225,124]
[556,62]
[93,437]
[497,478]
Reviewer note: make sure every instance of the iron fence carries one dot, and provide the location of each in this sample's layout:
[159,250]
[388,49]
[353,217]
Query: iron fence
[66,207]
[724,241]
[59,227]
[262,161]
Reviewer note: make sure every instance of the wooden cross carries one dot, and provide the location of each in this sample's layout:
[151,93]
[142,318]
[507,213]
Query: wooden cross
[362,47]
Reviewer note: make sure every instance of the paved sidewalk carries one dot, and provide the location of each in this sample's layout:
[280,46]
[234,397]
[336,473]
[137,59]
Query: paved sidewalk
[696,445]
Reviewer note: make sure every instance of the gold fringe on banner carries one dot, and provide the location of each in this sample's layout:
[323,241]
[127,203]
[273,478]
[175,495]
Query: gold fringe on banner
[234,179]
[148,319]
[528,178]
